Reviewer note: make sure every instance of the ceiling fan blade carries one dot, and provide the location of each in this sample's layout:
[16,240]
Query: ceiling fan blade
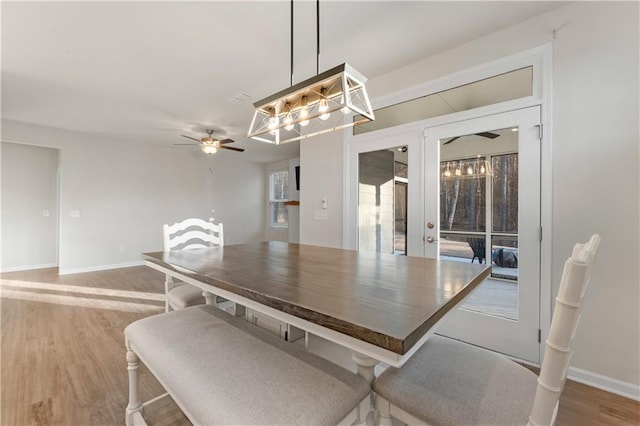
[232,149]
[189,137]
[223,141]
[489,135]
[190,144]
[451,140]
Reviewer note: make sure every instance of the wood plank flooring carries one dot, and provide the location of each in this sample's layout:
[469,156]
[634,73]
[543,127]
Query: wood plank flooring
[63,356]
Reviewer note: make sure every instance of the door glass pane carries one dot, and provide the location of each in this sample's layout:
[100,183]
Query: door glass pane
[462,194]
[479,214]
[382,200]
[400,231]
[505,193]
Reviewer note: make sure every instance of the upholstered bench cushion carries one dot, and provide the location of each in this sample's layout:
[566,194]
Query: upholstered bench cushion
[450,382]
[185,295]
[222,370]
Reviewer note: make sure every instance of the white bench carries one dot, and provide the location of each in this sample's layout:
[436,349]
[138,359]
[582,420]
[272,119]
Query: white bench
[220,369]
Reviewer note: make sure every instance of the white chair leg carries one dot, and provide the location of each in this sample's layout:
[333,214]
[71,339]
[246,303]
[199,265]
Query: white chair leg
[135,406]
[384,411]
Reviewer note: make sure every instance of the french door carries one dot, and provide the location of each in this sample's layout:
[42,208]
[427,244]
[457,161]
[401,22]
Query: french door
[482,205]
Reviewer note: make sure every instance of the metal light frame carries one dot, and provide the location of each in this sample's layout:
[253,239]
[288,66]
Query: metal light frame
[281,118]
[304,110]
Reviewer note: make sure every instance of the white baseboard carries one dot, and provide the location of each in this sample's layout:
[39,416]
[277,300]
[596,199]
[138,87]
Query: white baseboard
[618,387]
[67,271]
[29,267]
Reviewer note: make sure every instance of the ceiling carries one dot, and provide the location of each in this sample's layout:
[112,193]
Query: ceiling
[151,71]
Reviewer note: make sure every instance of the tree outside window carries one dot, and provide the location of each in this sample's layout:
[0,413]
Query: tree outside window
[278,194]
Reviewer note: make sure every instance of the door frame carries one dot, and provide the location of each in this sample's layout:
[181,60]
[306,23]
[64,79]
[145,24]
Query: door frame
[515,337]
[541,59]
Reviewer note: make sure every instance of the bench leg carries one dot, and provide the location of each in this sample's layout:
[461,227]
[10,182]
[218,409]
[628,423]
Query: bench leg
[384,411]
[134,408]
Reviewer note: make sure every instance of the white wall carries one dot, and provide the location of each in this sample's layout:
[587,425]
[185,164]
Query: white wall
[30,215]
[125,192]
[595,166]
[322,171]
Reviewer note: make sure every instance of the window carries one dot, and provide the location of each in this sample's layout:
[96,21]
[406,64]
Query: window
[499,88]
[278,194]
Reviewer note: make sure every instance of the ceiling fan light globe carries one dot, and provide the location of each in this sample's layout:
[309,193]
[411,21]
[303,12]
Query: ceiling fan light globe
[209,149]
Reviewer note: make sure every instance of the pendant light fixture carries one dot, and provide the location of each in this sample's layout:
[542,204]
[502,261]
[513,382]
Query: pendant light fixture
[318,105]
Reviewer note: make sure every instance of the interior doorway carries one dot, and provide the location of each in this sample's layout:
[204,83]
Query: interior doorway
[30,204]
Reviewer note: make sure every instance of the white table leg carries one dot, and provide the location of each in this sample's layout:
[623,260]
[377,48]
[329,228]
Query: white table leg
[366,366]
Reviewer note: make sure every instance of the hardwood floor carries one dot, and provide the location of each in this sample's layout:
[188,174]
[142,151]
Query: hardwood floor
[63,357]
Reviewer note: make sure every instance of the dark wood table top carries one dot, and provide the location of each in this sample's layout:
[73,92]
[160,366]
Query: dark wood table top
[386,300]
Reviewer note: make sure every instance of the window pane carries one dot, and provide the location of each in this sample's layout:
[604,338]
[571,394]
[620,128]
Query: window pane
[382,200]
[500,88]
[505,193]
[279,215]
[463,195]
[279,185]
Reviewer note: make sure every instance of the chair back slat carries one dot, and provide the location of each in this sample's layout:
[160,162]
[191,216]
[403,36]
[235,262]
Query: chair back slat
[567,312]
[192,233]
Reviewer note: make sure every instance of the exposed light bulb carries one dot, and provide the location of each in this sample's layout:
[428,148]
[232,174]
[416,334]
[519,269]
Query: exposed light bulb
[447,173]
[304,112]
[482,169]
[458,172]
[469,170]
[274,120]
[288,120]
[323,106]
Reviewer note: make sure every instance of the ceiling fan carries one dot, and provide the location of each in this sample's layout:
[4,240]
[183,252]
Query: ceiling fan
[489,135]
[210,145]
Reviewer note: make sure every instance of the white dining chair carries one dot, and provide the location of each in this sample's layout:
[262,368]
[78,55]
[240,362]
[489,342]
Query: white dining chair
[450,382]
[189,234]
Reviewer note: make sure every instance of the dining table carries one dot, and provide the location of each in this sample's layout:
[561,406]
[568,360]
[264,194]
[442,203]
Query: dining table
[382,307]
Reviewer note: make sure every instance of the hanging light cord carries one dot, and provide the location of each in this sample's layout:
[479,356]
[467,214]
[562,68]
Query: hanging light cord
[291,42]
[318,36]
